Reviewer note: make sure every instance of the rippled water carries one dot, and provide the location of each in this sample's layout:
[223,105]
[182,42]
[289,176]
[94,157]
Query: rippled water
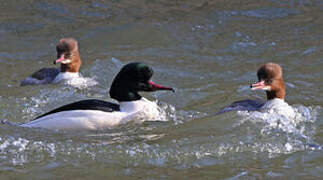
[208,51]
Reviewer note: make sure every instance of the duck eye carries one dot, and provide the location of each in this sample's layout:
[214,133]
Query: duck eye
[67,55]
[268,81]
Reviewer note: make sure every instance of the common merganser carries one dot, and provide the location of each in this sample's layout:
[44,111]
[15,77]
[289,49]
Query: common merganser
[270,76]
[69,57]
[96,114]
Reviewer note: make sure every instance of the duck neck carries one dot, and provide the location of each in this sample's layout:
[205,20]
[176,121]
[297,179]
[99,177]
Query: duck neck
[276,94]
[124,95]
[130,106]
[277,90]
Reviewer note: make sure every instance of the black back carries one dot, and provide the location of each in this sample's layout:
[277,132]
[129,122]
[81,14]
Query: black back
[89,104]
[243,105]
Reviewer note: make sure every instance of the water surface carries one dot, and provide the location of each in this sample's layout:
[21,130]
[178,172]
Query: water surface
[208,50]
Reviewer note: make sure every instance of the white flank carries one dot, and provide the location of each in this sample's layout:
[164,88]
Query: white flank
[138,111]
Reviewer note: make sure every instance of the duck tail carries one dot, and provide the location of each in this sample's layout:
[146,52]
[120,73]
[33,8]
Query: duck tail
[9,123]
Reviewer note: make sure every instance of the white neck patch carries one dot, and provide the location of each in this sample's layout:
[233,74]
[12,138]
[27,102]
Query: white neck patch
[66,61]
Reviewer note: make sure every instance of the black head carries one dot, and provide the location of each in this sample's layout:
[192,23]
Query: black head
[131,79]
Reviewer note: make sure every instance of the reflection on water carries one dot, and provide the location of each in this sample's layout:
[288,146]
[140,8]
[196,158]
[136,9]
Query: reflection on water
[208,50]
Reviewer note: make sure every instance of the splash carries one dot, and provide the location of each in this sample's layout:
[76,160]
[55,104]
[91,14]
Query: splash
[168,112]
[289,124]
[281,132]
[82,82]
[48,99]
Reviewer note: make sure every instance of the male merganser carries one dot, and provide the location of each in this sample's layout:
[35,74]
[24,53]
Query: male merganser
[96,114]
[69,57]
[270,76]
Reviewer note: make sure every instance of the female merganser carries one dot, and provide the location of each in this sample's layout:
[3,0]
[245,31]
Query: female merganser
[69,57]
[96,114]
[270,76]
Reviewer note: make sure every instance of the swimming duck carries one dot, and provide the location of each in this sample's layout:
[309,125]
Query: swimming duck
[270,79]
[94,114]
[69,57]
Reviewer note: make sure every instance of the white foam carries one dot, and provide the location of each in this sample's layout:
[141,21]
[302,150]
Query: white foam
[75,79]
[277,116]
[278,106]
[82,82]
[65,76]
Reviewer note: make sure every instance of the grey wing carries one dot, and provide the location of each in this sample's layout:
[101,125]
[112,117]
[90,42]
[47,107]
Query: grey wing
[46,73]
[243,105]
[43,76]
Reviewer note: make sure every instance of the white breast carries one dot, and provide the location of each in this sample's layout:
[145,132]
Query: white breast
[65,76]
[143,108]
[137,111]
[278,106]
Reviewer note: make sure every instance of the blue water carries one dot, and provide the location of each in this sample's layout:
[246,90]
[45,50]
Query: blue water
[208,51]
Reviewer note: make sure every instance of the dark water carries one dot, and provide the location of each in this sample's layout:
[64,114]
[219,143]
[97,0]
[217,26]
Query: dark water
[208,50]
